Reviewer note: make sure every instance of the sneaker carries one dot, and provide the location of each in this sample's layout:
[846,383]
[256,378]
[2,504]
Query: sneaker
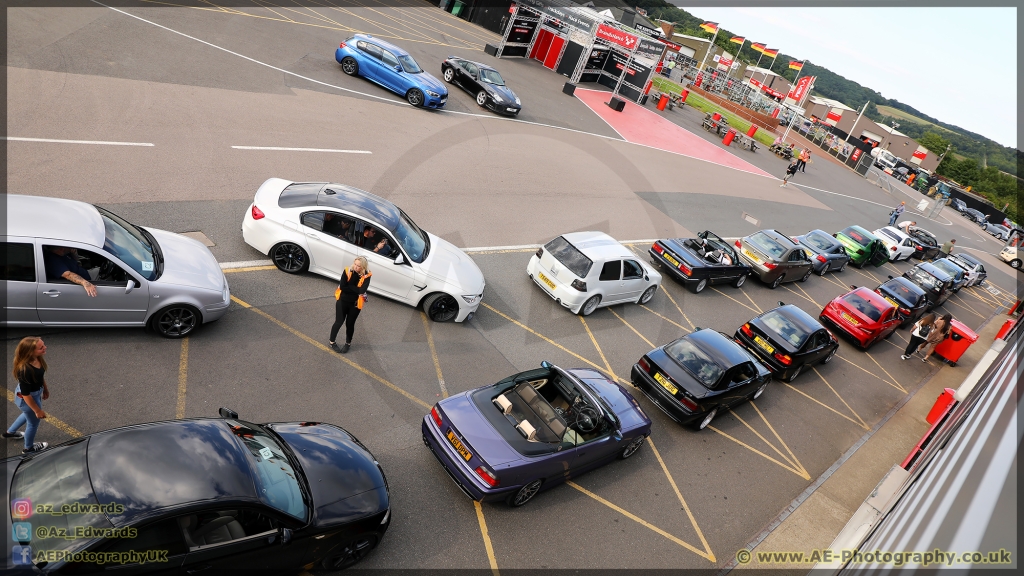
[334,346]
[905,357]
[37,447]
[16,434]
[345,348]
[925,359]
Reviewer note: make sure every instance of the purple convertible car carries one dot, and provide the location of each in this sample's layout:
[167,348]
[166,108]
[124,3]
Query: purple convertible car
[532,431]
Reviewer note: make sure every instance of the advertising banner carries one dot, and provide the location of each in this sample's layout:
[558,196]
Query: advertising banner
[856,154]
[920,154]
[800,89]
[615,36]
[833,117]
[649,50]
[564,14]
[522,31]
[596,59]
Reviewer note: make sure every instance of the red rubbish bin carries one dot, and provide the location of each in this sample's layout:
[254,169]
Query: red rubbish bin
[729,136]
[716,116]
[752,131]
[1007,326]
[960,339]
[685,94]
[941,406]
[663,101]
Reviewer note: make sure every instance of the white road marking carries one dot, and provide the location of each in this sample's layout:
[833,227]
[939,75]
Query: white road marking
[55,141]
[282,149]
[245,264]
[948,222]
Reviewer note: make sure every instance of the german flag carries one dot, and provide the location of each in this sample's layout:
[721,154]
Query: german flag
[794,65]
[758,46]
[770,52]
[738,39]
[710,27]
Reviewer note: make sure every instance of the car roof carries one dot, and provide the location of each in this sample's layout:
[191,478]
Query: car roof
[967,257]
[801,319]
[598,245]
[860,230]
[899,233]
[934,271]
[353,200]
[946,262]
[54,218]
[382,43]
[475,63]
[161,465]
[724,351]
[869,294]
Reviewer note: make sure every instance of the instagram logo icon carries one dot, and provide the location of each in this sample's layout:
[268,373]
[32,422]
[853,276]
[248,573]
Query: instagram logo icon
[21,509]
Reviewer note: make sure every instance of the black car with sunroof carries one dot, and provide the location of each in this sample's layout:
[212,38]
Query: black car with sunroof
[933,280]
[211,495]
[696,377]
[787,340]
[911,300]
[828,254]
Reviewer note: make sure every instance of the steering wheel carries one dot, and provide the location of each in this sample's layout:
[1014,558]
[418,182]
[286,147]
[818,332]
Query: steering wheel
[587,419]
[106,268]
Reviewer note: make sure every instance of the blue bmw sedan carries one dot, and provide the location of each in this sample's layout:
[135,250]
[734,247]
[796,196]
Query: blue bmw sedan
[391,67]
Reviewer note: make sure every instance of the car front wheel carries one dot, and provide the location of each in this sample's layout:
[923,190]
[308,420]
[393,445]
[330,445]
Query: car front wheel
[843,267]
[290,258]
[830,356]
[1015,263]
[350,553]
[481,98]
[414,97]
[525,494]
[760,390]
[441,307]
[632,448]
[647,295]
[176,321]
[739,281]
[349,66]
[806,276]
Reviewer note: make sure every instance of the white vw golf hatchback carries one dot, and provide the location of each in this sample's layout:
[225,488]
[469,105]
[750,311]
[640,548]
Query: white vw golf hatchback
[323,227]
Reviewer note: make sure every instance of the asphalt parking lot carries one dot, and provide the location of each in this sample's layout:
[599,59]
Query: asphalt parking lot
[687,500]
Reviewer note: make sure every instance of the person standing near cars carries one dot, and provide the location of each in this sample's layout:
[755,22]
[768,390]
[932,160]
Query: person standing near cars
[350,297]
[938,333]
[918,335]
[947,248]
[906,225]
[29,369]
[896,213]
[789,173]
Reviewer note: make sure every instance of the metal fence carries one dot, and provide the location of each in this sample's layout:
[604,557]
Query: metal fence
[835,146]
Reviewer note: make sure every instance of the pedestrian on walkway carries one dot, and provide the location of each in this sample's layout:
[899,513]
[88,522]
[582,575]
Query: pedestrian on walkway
[29,370]
[918,335]
[350,297]
[947,249]
[789,173]
[938,333]
[896,213]
[805,157]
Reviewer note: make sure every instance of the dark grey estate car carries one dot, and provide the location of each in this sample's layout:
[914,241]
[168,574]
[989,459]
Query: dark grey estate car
[775,258]
[827,253]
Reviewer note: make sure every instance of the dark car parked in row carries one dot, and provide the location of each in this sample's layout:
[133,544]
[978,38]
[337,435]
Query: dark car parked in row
[775,258]
[958,274]
[828,252]
[927,246]
[216,494]
[933,280]
[532,431]
[699,262]
[787,340]
[974,216]
[697,376]
[484,83]
[905,295]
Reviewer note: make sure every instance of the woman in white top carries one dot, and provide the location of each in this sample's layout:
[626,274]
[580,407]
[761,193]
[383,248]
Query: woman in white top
[920,333]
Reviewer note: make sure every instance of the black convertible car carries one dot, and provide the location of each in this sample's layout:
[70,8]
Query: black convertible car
[927,246]
[212,495]
[697,262]
[787,340]
[484,83]
[905,295]
[697,376]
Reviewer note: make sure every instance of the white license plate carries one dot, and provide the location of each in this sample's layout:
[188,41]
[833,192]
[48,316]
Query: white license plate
[511,109]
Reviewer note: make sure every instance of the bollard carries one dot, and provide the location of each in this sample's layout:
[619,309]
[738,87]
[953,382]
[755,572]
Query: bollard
[1007,326]
[729,136]
[752,131]
[663,101]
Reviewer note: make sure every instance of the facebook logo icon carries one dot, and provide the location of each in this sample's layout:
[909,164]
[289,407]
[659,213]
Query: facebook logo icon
[22,555]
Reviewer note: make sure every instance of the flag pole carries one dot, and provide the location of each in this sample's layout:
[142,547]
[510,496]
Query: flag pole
[737,60]
[792,120]
[708,51]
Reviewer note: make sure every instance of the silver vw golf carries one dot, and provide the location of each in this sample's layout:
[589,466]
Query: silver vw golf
[68,263]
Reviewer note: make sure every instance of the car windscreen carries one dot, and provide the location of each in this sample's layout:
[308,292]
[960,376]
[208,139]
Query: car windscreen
[567,254]
[923,279]
[124,240]
[856,236]
[767,244]
[863,305]
[413,240]
[818,241]
[409,65]
[720,244]
[695,361]
[951,269]
[276,482]
[53,488]
[785,328]
[491,77]
[528,405]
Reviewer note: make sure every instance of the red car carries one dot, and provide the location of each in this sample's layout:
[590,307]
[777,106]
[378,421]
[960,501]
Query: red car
[862,314]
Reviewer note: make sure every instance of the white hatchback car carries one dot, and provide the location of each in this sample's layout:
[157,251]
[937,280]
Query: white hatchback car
[323,227]
[584,271]
[141,276]
[899,245]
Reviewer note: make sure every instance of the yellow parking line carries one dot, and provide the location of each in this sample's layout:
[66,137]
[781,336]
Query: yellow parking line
[57,423]
[791,468]
[893,266]
[886,371]
[635,331]
[323,347]
[808,298]
[487,537]
[248,269]
[179,412]
[867,275]
[744,292]
[825,406]
[598,346]
[681,313]
[643,522]
[893,384]
[736,301]
[707,548]
[792,459]
[963,302]
[673,322]
[841,399]
[994,302]
[433,354]
[539,335]
[831,279]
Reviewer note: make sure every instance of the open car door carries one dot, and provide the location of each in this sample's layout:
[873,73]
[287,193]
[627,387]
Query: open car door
[879,254]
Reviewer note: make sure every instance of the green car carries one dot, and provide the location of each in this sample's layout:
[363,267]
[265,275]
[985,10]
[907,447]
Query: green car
[862,246]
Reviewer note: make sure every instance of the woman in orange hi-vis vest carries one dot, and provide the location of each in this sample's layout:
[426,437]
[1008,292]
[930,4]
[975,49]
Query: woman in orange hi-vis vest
[350,297]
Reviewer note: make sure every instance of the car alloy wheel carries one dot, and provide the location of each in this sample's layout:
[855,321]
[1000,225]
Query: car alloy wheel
[590,305]
[290,258]
[843,267]
[525,494]
[707,419]
[481,98]
[441,307]
[824,270]
[449,75]
[760,390]
[830,355]
[806,276]
[648,294]
[349,66]
[632,447]
[777,281]
[176,321]
[699,286]
[796,372]
[1015,264]
[350,553]
[415,97]
[739,281]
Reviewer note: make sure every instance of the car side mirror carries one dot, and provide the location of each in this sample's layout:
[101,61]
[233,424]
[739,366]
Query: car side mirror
[890,276]
[400,259]
[131,286]
[617,436]
[398,68]
[227,413]
[853,287]
[545,365]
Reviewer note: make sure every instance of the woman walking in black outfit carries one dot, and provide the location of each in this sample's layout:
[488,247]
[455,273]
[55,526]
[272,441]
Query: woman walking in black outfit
[919,334]
[350,296]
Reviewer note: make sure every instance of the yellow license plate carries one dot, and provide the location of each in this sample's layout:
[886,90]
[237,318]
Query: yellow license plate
[459,446]
[546,280]
[851,319]
[764,344]
[751,256]
[893,302]
[672,260]
[665,383]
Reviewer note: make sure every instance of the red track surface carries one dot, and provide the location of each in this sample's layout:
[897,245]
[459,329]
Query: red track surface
[641,126]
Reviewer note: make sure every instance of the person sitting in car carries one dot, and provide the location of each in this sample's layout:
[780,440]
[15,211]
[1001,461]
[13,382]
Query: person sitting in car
[61,262]
[372,240]
[338,226]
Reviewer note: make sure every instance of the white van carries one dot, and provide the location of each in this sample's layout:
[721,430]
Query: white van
[884,159]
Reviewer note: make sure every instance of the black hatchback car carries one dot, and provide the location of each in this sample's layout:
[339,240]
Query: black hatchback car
[927,246]
[699,262]
[697,376]
[936,284]
[787,340]
[210,494]
[828,253]
[905,295]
